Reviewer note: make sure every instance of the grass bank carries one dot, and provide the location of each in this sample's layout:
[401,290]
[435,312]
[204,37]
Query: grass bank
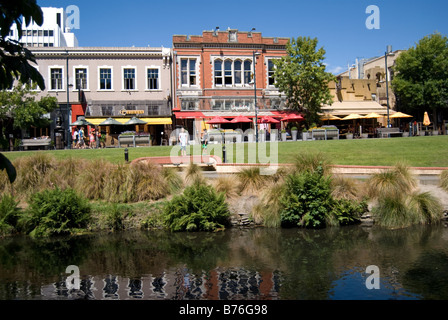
[430,151]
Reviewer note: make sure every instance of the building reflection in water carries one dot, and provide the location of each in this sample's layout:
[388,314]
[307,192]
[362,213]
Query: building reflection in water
[178,284]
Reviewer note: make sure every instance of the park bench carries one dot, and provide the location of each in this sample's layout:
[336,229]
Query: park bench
[38,143]
[388,132]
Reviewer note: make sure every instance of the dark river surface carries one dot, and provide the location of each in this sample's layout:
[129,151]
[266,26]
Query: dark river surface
[237,264]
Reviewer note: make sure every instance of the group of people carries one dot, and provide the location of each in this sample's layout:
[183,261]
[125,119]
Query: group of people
[79,139]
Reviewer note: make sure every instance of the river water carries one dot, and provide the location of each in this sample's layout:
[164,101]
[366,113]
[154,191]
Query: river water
[239,264]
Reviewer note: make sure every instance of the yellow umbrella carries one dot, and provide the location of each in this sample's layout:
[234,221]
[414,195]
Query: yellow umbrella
[400,115]
[328,116]
[353,116]
[372,115]
[426,121]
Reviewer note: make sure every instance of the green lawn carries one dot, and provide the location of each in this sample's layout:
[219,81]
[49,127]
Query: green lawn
[431,151]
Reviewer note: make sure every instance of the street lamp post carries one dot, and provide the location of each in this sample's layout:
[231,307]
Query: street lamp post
[255,54]
[387,53]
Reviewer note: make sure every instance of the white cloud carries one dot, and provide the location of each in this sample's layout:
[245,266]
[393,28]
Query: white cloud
[336,69]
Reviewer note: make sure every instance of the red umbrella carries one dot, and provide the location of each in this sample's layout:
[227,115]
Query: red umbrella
[240,119]
[267,119]
[218,120]
[293,117]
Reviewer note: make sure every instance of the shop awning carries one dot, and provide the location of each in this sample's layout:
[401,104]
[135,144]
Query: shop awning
[149,121]
[189,115]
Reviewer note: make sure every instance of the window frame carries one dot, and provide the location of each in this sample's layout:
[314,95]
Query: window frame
[188,72]
[123,70]
[158,80]
[111,78]
[75,68]
[50,68]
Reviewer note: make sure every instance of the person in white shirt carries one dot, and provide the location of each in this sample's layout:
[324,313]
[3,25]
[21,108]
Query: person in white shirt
[183,138]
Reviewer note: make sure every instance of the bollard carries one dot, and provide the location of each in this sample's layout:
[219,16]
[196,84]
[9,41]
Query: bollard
[224,154]
[126,155]
[223,143]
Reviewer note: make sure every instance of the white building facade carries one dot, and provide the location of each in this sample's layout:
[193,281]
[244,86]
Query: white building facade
[54,31]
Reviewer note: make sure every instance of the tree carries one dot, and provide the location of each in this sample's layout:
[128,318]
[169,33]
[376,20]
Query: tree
[421,76]
[21,109]
[14,58]
[301,76]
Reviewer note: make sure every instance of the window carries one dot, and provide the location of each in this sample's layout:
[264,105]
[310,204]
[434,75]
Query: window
[271,72]
[228,78]
[237,71]
[247,71]
[218,73]
[107,110]
[189,105]
[105,79]
[153,79]
[153,110]
[56,78]
[81,78]
[188,72]
[129,79]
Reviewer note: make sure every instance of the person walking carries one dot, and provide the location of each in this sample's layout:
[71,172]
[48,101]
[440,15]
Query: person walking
[75,138]
[183,138]
[92,139]
[81,138]
[204,141]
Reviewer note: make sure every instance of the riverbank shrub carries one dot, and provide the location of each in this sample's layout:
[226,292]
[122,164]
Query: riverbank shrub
[9,215]
[198,208]
[306,200]
[55,212]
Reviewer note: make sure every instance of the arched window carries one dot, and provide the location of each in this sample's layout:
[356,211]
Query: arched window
[218,73]
[237,71]
[247,71]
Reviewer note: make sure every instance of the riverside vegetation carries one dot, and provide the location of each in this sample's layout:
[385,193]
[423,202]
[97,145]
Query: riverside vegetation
[69,196]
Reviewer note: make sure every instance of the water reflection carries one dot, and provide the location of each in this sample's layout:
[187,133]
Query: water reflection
[236,264]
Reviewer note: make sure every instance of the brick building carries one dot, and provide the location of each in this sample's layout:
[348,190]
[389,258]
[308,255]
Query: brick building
[213,76]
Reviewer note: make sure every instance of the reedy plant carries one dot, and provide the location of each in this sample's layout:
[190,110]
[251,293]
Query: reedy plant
[251,181]
[399,204]
[444,180]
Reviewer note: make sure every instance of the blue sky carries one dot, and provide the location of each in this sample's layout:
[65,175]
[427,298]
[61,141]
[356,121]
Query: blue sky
[339,25]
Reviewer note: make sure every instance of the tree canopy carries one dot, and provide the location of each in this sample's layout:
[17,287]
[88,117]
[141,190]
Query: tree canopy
[421,76]
[14,57]
[19,107]
[302,77]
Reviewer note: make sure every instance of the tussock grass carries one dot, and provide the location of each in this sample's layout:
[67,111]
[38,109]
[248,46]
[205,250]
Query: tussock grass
[267,211]
[395,182]
[228,185]
[444,180]
[399,203]
[347,188]
[311,162]
[250,181]
[193,175]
